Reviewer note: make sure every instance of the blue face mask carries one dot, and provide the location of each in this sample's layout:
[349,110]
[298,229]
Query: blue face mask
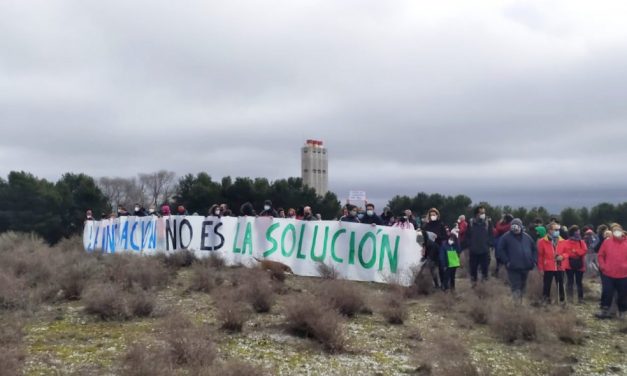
[555,234]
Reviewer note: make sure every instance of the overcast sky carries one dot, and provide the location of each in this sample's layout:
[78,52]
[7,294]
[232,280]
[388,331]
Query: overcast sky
[521,102]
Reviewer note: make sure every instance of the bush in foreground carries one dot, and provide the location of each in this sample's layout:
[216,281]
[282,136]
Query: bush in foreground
[511,322]
[308,316]
[110,302]
[344,296]
[394,310]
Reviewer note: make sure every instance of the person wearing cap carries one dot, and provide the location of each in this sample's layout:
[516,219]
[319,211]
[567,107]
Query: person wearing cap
[268,210]
[519,254]
[613,266]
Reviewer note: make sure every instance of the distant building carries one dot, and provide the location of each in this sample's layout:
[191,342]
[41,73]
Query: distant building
[315,166]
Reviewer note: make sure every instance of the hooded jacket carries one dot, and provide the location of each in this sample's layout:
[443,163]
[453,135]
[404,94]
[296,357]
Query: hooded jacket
[517,251]
[613,258]
[547,254]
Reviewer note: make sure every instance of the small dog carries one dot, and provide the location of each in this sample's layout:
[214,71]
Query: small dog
[274,266]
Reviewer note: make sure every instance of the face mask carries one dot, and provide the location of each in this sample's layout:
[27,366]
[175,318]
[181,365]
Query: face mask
[555,234]
[266,207]
[434,218]
[618,234]
[217,212]
[370,212]
[353,213]
[451,242]
[481,216]
[360,215]
[151,210]
[137,208]
[516,229]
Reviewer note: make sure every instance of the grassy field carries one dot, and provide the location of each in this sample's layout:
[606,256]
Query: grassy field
[64,312]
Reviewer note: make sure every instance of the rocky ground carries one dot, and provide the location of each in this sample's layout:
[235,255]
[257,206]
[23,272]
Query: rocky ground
[61,339]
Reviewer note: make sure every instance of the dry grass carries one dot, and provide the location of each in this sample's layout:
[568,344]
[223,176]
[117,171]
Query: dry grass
[511,322]
[258,293]
[565,327]
[110,302]
[347,297]
[327,271]
[178,259]
[309,316]
[130,270]
[236,368]
[11,352]
[204,278]
[394,309]
[231,313]
[445,355]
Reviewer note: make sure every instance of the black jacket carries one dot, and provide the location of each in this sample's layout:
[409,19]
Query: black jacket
[350,218]
[370,219]
[436,227]
[478,236]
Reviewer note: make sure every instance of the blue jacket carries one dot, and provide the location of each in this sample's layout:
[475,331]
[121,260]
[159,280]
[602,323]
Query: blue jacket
[444,248]
[517,252]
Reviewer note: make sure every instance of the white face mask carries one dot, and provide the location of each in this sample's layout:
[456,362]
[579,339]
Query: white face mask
[137,208]
[482,216]
[216,212]
[369,212]
[434,217]
[450,242]
[516,229]
[266,207]
[151,210]
[618,234]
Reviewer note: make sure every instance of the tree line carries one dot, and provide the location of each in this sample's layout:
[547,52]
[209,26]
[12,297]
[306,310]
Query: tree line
[56,210]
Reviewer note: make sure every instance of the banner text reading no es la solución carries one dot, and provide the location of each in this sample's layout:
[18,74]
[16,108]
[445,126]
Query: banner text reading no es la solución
[359,252]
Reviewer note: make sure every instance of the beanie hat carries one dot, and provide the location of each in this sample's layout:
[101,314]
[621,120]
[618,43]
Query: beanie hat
[541,231]
[517,221]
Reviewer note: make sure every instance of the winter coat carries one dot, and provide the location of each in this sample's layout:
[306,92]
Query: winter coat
[573,248]
[444,253]
[547,253]
[372,219]
[518,251]
[613,258]
[463,228]
[479,236]
[349,218]
[432,250]
[436,227]
[269,213]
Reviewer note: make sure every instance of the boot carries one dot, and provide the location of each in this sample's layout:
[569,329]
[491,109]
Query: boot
[603,314]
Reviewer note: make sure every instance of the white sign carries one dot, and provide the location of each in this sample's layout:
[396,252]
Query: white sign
[359,252]
[354,196]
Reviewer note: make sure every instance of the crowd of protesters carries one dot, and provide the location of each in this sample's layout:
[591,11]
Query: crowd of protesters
[561,254]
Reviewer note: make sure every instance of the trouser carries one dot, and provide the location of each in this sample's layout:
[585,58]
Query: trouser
[437,273]
[479,261]
[574,276]
[449,279]
[548,281]
[518,282]
[610,287]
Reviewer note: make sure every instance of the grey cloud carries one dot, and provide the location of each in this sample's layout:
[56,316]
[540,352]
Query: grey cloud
[406,99]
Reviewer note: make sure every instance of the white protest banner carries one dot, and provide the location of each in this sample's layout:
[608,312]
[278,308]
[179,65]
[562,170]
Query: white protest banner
[357,196]
[359,252]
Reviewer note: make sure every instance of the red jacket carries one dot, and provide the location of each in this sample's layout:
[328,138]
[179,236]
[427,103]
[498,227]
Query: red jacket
[463,227]
[613,258]
[501,228]
[574,249]
[547,253]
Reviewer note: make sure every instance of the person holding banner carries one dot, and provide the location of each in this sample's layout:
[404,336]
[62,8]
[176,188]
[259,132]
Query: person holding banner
[351,216]
[371,217]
